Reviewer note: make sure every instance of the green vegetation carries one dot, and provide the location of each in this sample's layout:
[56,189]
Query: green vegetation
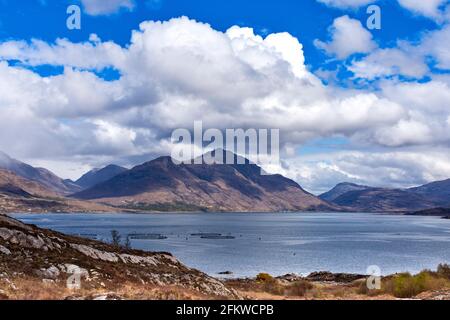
[405,285]
[264,277]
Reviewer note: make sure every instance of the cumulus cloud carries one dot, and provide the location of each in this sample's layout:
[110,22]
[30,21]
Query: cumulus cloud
[176,72]
[408,59]
[437,45]
[104,7]
[348,36]
[390,62]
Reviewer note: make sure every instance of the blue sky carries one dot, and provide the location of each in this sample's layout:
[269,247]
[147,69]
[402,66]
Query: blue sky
[307,20]
[352,104]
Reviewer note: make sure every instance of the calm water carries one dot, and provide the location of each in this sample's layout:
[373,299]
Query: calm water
[276,243]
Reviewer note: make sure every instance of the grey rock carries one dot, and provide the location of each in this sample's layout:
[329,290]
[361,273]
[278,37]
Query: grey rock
[4,250]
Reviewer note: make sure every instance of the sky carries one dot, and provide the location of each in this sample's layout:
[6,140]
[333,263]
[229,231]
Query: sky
[369,106]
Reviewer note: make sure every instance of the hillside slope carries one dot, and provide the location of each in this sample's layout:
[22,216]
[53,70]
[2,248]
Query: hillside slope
[97,176]
[28,253]
[40,175]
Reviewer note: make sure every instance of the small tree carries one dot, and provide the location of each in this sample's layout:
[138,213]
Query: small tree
[116,238]
[127,243]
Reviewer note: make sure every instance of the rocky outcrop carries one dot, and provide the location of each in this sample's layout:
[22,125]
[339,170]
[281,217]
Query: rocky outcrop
[324,276]
[26,250]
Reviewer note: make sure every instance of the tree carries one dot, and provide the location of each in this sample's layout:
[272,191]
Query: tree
[127,243]
[116,238]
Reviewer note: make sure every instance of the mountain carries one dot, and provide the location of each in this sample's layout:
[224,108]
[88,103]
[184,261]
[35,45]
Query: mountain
[97,176]
[18,194]
[438,192]
[364,198]
[162,185]
[40,175]
[14,185]
[383,200]
[341,189]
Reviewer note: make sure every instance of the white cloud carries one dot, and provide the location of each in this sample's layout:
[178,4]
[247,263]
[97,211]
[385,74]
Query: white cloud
[437,45]
[113,136]
[104,7]
[390,62]
[63,52]
[348,36]
[392,169]
[346,3]
[433,9]
[428,8]
[179,71]
[406,58]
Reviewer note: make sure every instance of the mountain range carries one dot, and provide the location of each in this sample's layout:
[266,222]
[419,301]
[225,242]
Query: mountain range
[161,185]
[355,197]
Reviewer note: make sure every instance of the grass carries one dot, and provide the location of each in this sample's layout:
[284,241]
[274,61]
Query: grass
[27,288]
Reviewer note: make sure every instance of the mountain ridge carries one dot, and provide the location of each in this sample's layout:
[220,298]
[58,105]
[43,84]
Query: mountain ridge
[41,175]
[374,199]
[99,175]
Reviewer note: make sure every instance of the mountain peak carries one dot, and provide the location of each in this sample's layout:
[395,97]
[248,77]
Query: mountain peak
[99,175]
[340,189]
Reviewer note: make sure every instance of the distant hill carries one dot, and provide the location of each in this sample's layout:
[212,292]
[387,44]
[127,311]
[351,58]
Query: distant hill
[14,185]
[438,192]
[40,175]
[341,189]
[97,176]
[364,198]
[18,194]
[162,185]
[383,200]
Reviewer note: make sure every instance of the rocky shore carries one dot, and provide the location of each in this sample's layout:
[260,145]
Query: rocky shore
[46,262]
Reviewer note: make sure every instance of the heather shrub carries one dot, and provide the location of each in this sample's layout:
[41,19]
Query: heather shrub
[299,288]
[264,277]
[444,271]
[269,284]
[407,286]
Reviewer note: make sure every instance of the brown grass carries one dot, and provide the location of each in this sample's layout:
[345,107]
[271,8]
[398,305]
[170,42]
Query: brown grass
[33,289]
